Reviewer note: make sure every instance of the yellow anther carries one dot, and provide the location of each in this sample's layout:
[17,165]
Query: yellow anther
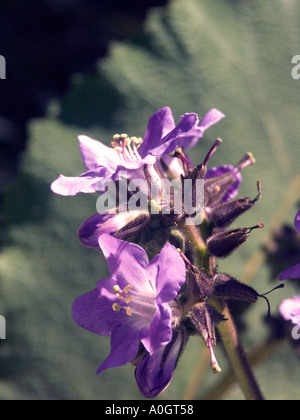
[251,157]
[123,136]
[127,289]
[116,307]
[128,311]
[116,288]
[179,150]
[116,136]
[118,149]
[128,299]
[135,140]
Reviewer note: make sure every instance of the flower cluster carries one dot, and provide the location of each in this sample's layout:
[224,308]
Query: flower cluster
[164,280]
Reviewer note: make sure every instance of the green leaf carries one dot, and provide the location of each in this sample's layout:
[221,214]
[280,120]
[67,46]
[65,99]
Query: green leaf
[193,56]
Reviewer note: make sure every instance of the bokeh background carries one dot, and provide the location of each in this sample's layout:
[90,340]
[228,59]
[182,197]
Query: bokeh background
[102,67]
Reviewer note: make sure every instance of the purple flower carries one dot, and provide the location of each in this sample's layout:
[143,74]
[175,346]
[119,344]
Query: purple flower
[163,137]
[123,226]
[131,154]
[154,372]
[132,306]
[290,310]
[233,189]
[292,272]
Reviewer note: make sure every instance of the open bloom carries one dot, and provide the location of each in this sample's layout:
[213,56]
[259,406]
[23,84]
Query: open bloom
[132,306]
[162,138]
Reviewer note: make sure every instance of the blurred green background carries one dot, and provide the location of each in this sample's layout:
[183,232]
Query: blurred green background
[191,55]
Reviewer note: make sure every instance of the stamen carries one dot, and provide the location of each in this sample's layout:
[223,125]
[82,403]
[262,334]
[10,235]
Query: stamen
[247,160]
[214,363]
[127,146]
[135,150]
[141,305]
[127,289]
[212,151]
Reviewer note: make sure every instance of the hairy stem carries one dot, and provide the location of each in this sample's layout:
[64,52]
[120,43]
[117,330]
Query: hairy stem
[227,329]
[237,356]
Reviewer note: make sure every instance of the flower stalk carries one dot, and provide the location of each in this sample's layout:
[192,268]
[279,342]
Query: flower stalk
[227,329]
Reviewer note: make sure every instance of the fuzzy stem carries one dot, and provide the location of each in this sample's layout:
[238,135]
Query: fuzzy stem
[227,329]
[237,356]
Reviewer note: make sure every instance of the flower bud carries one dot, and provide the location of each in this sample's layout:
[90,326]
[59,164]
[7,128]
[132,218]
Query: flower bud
[121,225]
[154,372]
[225,213]
[227,287]
[222,244]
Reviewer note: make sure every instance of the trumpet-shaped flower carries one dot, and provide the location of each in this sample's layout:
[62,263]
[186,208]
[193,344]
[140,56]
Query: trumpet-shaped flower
[132,306]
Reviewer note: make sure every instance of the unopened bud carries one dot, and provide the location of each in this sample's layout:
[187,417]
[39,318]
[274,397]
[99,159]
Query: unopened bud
[227,287]
[225,213]
[222,244]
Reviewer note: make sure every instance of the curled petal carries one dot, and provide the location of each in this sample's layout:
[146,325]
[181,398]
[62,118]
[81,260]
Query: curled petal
[210,118]
[159,125]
